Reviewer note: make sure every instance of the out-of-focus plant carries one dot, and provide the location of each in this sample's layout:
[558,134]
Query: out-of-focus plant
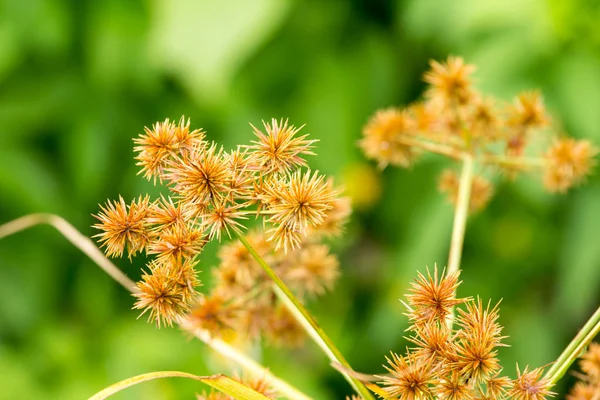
[265,275]
[457,121]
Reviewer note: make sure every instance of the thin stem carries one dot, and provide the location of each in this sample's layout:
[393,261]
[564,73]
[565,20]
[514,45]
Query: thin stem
[433,147]
[519,162]
[575,348]
[461,213]
[89,248]
[78,240]
[307,321]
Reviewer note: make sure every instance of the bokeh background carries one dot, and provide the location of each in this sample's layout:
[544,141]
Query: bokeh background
[79,79]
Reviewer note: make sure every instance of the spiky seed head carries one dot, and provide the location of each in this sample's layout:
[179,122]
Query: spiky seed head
[450,81]
[530,385]
[382,138]
[569,162]
[124,226]
[280,149]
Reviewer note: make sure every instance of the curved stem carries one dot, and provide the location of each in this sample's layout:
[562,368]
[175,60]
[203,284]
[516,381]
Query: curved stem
[220,382]
[583,338]
[78,240]
[306,320]
[89,248]
[461,213]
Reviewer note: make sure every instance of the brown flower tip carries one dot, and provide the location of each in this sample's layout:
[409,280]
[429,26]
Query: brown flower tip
[453,388]
[166,291]
[211,313]
[530,385]
[311,270]
[283,329]
[178,242]
[296,203]
[528,111]
[410,378]
[481,189]
[584,391]
[450,81]
[279,150]
[201,176]
[432,298]
[165,140]
[124,226]
[477,342]
[382,138]
[568,163]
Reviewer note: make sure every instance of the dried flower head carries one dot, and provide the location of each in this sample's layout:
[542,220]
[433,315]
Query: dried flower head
[530,385]
[164,141]
[302,200]
[280,150]
[477,342]
[590,362]
[456,121]
[124,226]
[411,378]
[569,162]
[431,298]
[584,391]
[166,291]
[213,193]
[450,81]
[528,111]
[201,176]
[384,138]
[312,271]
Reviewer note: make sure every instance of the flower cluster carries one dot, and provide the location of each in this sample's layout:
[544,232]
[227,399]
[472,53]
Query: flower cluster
[589,386]
[212,193]
[241,301]
[456,120]
[458,363]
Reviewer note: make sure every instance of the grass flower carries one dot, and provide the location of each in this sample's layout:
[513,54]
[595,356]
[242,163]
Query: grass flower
[124,226]
[280,150]
[569,161]
[530,385]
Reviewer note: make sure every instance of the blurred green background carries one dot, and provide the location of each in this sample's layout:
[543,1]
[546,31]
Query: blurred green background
[79,79]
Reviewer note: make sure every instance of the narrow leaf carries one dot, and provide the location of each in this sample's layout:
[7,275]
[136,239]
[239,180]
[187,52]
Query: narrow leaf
[220,382]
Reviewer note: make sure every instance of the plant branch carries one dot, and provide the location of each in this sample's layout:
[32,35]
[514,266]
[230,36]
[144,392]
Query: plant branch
[583,338]
[461,213]
[307,321]
[519,162]
[89,248]
[438,148]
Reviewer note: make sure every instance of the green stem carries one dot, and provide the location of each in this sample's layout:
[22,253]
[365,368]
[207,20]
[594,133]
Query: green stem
[460,214]
[583,338]
[307,321]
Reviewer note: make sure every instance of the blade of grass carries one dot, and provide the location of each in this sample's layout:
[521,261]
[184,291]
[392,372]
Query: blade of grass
[222,383]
